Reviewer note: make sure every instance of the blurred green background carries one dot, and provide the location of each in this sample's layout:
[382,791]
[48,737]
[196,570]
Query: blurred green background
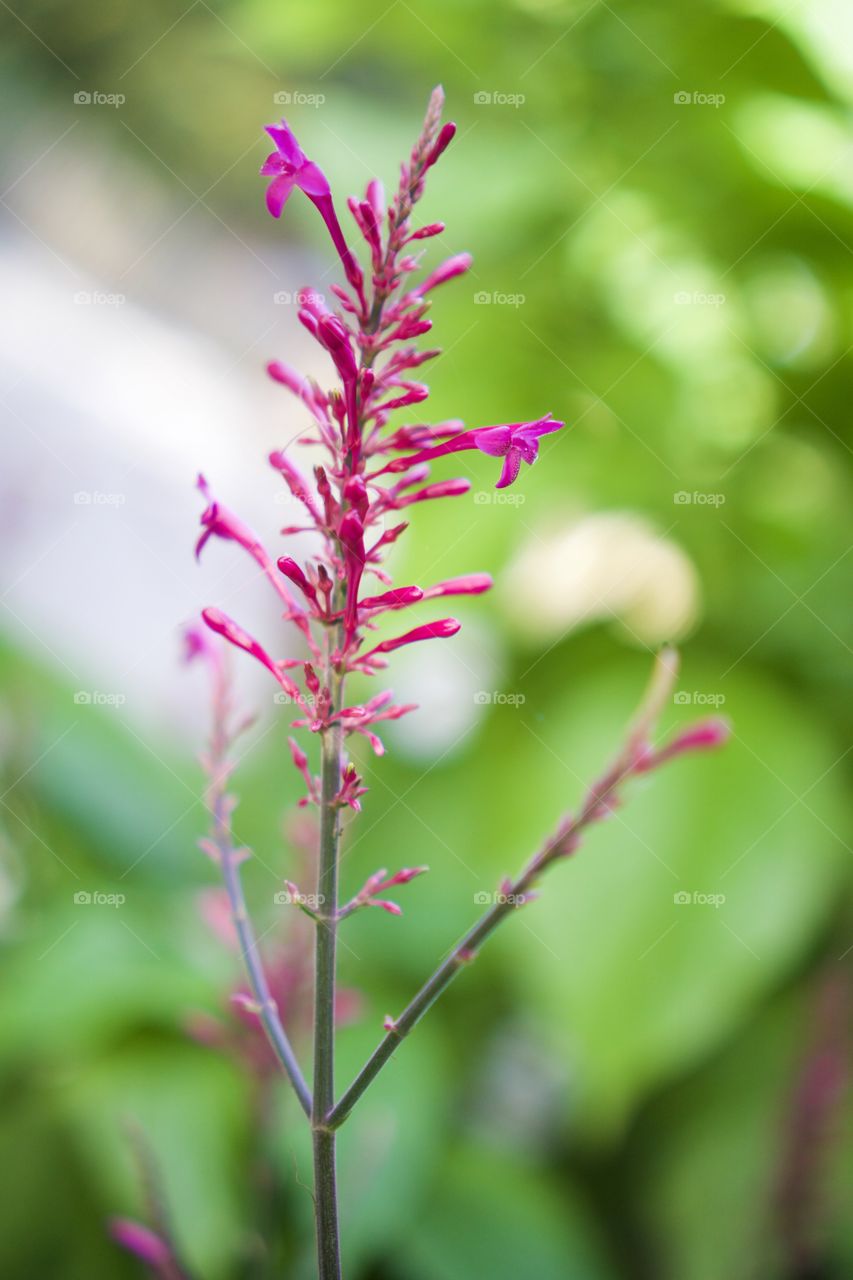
[658,198]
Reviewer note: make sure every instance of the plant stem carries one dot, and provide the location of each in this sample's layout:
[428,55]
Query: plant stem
[267,1007]
[325,1188]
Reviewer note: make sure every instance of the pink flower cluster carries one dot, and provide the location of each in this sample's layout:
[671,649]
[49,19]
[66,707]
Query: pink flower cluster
[371,471]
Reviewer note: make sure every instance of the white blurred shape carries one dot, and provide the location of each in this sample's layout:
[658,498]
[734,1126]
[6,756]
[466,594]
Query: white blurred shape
[613,566]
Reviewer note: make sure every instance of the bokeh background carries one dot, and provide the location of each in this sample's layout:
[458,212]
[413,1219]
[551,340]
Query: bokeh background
[627,1084]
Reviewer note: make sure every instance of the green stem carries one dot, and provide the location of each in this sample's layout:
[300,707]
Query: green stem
[325,1189]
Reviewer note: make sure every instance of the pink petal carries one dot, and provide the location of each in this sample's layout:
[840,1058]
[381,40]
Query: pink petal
[284,139]
[510,469]
[277,193]
[495,441]
[312,180]
[274,164]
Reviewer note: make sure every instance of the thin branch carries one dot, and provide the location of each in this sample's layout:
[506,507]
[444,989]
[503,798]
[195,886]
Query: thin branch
[635,757]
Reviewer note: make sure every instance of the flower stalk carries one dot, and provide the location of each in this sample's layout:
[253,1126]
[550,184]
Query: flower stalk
[325,1179]
[341,608]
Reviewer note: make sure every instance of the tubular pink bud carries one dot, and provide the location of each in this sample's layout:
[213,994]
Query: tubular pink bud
[414,394]
[705,735]
[234,634]
[470,584]
[441,630]
[441,489]
[424,233]
[442,142]
[396,598]
[291,570]
[455,266]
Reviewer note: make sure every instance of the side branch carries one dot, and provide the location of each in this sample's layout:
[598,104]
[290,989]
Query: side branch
[635,757]
[267,1007]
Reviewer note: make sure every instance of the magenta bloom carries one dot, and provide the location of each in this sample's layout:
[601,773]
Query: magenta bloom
[289,167]
[515,442]
[369,329]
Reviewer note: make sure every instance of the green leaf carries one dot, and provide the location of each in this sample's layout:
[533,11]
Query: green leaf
[489,1216]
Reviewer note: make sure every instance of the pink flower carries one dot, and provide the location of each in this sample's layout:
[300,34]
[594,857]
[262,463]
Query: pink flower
[218,522]
[231,631]
[289,167]
[515,442]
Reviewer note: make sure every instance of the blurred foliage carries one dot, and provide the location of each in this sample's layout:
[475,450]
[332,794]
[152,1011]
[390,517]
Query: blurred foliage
[609,1091]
